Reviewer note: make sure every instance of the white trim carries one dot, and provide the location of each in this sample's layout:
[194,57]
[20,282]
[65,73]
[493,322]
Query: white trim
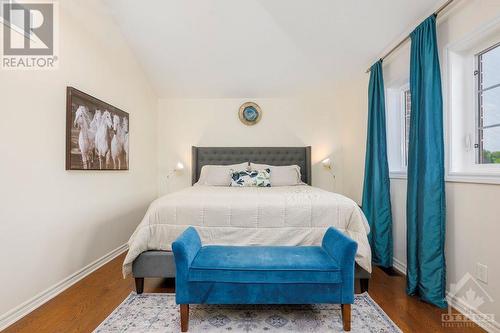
[492,327]
[402,114]
[488,326]
[476,178]
[477,173]
[457,177]
[399,266]
[25,308]
[398,174]
[396,127]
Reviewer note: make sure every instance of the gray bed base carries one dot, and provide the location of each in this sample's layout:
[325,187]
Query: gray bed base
[160,264]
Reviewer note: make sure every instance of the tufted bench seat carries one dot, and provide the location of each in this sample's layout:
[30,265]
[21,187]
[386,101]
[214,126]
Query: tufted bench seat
[264,274]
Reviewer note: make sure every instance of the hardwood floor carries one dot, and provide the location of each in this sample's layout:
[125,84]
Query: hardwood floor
[409,313]
[85,305]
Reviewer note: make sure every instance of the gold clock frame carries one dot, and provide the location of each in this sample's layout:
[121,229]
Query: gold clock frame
[256,107]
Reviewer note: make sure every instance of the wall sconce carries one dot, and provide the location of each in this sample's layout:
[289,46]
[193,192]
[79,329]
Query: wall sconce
[178,168]
[328,165]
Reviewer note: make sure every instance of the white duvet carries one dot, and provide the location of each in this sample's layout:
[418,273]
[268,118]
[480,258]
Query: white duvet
[285,215]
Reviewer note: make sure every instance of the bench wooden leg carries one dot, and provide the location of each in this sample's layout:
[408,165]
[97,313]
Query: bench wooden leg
[346,316]
[184,317]
[139,285]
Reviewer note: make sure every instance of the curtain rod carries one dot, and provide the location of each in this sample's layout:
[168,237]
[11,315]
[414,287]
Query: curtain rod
[437,12]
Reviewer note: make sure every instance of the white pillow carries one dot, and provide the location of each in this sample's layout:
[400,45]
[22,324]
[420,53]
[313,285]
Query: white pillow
[287,175]
[219,175]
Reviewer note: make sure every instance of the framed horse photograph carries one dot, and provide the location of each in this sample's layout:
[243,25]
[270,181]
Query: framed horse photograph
[97,133]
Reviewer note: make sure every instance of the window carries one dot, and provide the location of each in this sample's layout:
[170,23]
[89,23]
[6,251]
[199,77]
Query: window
[472,106]
[398,111]
[488,106]
[406,109]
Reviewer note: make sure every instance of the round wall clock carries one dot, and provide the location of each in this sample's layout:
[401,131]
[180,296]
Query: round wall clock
[250,113]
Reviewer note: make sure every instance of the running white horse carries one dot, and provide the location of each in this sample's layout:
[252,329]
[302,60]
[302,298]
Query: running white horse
[86,135]
[103,139]
[94,124]
[125,142]
[117,142]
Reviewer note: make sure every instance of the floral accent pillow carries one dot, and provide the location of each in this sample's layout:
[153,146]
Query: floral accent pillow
[251,178]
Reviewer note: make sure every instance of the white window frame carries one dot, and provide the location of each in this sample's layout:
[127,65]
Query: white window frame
[404,149]
[396,125]
[461,106]
[477,103]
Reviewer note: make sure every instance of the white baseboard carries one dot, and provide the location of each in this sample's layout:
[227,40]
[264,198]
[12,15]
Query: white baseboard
[492,327]
[488,326]
[399,266]
[25,308]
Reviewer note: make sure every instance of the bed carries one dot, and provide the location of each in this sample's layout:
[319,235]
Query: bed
[287,215]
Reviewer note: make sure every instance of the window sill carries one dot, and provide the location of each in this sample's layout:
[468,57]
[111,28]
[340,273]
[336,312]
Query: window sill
[398,175]
[473,177]
[458,177]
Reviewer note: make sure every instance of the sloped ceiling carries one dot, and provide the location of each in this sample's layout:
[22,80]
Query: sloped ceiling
[260,48]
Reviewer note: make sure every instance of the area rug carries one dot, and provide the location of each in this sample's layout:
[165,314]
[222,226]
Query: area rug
[155,313]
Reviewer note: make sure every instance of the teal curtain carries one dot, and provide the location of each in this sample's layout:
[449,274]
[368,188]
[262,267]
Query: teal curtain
[425,216]
[376,189]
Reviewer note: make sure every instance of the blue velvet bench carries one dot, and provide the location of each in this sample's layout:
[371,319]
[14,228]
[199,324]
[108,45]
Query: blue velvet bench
[264,274]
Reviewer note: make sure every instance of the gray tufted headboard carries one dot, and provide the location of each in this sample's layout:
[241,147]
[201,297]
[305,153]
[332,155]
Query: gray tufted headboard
[300,156]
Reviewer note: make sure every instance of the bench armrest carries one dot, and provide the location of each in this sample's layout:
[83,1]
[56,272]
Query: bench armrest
[340,247]
[343,250]
[185,247]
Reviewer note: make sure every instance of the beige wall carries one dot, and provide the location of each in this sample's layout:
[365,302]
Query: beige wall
[54,222]
[473,222]
[183,123]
